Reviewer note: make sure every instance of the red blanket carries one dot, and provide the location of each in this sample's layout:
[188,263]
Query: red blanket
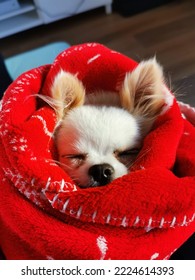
[146,214]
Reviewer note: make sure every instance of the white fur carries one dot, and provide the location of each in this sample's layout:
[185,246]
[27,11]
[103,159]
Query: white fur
[96,132]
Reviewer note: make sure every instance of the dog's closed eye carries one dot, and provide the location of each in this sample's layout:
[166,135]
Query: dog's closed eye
[127,156]
[129,152]
[75,159]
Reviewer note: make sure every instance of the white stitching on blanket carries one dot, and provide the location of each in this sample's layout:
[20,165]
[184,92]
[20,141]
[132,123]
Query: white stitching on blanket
[31,75]
[137,219]
[3,130]
[108,219]
[149,226]
[102,245]
[78,48]
[65,205]
[162,222]
[184,221]
[47,132]
[94,216]
[62,185]
[173,222]
[124,222]
[66,185]
[27,192]
[91,45]
[53,200]
[70,51]
[47,184]
[93,58]
[23,187]
[79,212]
[23,148]
[33,181]
[192,219]
[154,256]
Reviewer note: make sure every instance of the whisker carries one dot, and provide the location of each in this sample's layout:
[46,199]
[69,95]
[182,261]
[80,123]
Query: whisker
[58,163]
[139,157]
[74,178]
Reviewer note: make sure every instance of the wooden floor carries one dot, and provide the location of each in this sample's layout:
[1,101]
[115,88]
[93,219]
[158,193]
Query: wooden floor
[167,32]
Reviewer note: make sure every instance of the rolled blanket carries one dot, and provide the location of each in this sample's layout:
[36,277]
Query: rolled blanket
[146,214]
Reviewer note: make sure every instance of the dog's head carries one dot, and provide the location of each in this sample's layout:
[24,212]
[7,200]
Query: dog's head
[97,143]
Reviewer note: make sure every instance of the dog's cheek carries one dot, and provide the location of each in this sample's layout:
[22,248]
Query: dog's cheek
[120,170]
[80,175]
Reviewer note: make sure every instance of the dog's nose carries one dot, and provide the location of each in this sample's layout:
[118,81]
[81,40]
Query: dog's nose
[101,173]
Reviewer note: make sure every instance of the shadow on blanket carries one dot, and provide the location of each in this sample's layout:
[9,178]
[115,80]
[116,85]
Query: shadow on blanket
[145,215]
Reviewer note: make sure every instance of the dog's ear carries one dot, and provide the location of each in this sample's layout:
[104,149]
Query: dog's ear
[67,93]
[142,91]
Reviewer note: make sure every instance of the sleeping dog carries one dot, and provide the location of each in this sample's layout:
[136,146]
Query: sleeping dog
[98,135]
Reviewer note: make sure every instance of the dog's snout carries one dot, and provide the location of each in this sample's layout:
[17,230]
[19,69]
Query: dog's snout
[101,173]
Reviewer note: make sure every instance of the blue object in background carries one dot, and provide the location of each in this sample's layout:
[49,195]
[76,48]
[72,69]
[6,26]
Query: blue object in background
[23,62]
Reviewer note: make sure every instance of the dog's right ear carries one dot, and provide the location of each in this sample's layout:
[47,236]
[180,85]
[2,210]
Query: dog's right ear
[67,93]
[142,91]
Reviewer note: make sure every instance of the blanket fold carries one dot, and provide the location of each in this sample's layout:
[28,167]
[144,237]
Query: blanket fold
[146,214]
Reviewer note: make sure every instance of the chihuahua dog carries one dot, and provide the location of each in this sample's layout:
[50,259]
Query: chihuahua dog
[98,135]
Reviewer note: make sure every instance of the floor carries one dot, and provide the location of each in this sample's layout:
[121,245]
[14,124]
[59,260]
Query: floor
[167,32]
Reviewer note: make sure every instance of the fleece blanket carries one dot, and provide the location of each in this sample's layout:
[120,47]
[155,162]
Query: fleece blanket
[146,214]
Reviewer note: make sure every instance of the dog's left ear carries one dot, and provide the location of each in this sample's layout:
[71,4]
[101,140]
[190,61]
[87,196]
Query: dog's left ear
[142,90]
[67,93]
